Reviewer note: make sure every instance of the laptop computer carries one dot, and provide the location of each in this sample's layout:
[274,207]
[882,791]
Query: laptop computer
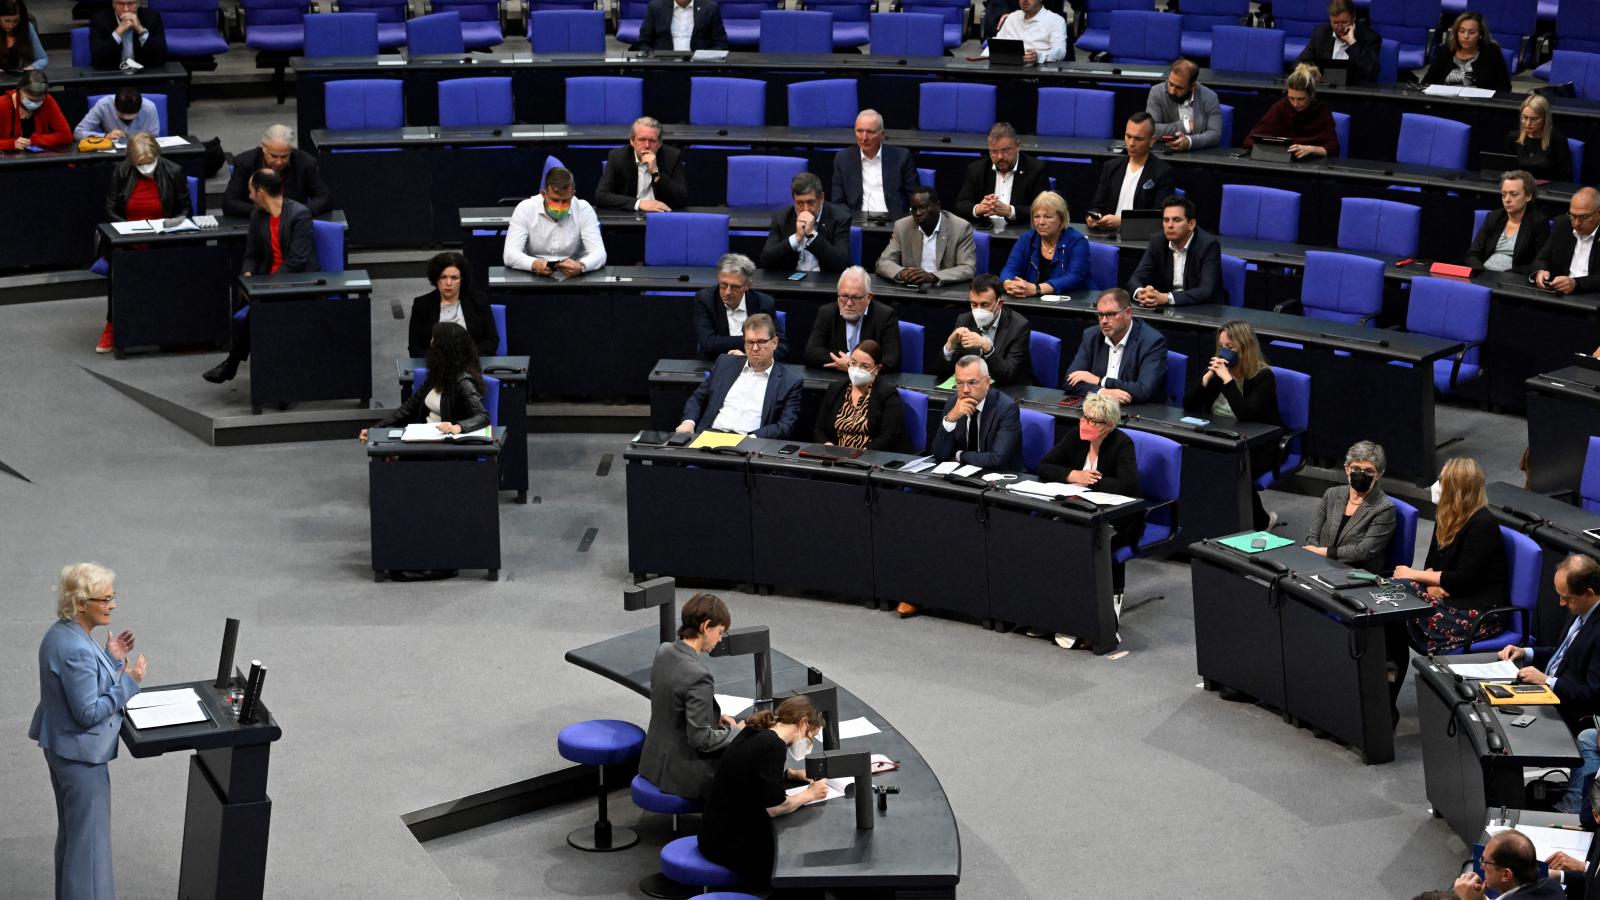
[1140,224]
[1335,72]
[1267,148]
[1491,165]
[1004,52]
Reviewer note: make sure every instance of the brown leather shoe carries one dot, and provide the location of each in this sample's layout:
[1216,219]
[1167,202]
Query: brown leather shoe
[906,610]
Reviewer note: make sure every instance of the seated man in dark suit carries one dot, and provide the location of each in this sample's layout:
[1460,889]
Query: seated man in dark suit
[123,31]
[302,181]
[295,250]
[872,178]
[672,25]
[720,312]
[999,189]
[981,427]
[1572,669]
[1511,867]
[751,394]
[811,236]
[1120,357]
[1134,181]
[1569,262]
[989,330]
[1343,39]
[838,329]
[930,246]
[645,175]
[1182,265]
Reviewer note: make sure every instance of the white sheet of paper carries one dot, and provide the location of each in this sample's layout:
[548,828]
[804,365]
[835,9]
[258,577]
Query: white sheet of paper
[732,705]
[137,226]
[1547,841]
[1477,93]
[920,464]
[1503,668]
[964,471]
[1442,90]
[1047,488]
[422,431]
[145,699]
[172,140]
[836,788]
[165,715]
[857,727]
[1101,498]
[945,468]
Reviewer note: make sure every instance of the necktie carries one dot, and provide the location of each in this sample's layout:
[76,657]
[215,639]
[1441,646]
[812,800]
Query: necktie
[1554,668]
[974,432]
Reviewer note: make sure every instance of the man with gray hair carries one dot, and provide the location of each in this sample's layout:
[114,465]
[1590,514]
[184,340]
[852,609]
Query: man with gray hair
[721,311]
[302,182]
[645,176]
[855,318]
[813,235]
[871,178]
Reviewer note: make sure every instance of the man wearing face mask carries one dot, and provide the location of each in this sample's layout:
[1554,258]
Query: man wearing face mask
[930,246]
[1187,114]
[720,312]
[554,233]
[29,116]
[747,395]
[118,116]
[837,329]
[989,330]
[145,185]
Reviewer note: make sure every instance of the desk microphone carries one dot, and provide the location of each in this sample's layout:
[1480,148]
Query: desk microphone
[722,132]
[230,636]
[683,278]
[945,139]
[1519,514]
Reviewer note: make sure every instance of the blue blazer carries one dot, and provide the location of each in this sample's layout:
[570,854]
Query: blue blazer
[711,323]
[82,692]
[1143,373]
[779,411]
[899,179]
[1578,682]
[1069,271]
[1002,434]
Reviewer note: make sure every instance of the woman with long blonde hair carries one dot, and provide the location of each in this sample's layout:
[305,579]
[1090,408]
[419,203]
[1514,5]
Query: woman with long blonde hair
[1465,571]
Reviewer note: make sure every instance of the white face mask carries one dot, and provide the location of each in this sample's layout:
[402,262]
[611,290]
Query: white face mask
[860,377]
[983,318]
[147,169]
[801,749]
[1433,492]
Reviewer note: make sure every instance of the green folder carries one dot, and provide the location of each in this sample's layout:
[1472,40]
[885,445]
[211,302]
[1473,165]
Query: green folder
[1242,542]
[949,384]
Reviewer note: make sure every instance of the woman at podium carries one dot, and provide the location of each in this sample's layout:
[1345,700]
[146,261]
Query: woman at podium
[83,689]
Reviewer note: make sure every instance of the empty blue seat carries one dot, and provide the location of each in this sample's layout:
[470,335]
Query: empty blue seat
[953,12]
[341,34]
[795,31]
[1250,211]
[1403,543]
[916,418]
[1200,21]
[497,311]
[1589,483]
[953,107]
[1145,38]
[1104,265]
[1038,436]
[480,22]
[906,34]
[1234,275]
[980,243]
[1226,138]
[159,101]
[630,18]
[1297,19]
[363,103]
[391,19]
[1160,485]
[1340,287]
[1096,35]
[1457,311]
[604,100]
[1410,23]
[851,30]
[1045,351]
[761,182]
[1581,69]
[684,239]
[1177,376]
[911,341]
[1075,112]
[830,103]
[329,240]
[567,31]
[601,743]
[192,27]
[1383,227]
[1575,147]
[742,22]
[1294,409]
[82,56]
[437,34]
[1433,141]
[274,26]
[481,102]
[929,178]
[1513,23]
[1236,49]
[682,861]
[727,101]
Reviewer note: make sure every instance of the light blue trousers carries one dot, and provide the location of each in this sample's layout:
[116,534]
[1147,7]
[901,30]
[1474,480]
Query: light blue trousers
[83,828]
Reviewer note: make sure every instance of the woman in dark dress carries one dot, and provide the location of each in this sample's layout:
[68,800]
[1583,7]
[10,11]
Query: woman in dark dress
[1470,57]
[453,299]
[1538,144]
[1238,384]
[860,413]
[451,397]
[748,791]
[1306,121]
[1465,572]
[1099,456]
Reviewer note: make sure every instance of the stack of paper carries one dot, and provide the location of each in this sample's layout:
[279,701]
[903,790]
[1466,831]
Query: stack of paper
[427,431]
[1546,841]
[732,705]
[946,468]
[159,709]
[1501,669]
[1047,488]
[854,728]
[920,464]
[1101,498]
[836,788]
[715,439]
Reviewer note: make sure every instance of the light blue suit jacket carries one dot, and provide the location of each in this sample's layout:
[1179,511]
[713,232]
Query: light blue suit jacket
[82,692]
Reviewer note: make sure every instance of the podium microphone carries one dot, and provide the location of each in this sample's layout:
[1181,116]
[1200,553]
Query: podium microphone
[230,636]
[252,693]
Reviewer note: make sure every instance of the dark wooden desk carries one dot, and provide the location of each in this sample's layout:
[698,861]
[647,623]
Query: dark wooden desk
[435,504]
[1558,528]
[173,288]
[72,88]
[1563,412]
[310,337]
[512,372]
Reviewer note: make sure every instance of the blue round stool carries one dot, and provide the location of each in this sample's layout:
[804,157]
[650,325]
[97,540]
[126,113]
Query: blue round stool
[682,862]
[650,798]
[601,743]
[728,895]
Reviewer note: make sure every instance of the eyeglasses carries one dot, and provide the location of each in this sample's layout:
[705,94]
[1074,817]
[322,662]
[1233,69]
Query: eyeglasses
[971,382]
[1096,422]
[852,298]
[759,343]
[1109,315]
[106,599]
[1574,214]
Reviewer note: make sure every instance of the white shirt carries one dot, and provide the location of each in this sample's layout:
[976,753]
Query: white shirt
[451,312]
[432,402]
[1340,49]
[1044,34]
[1180,259]
[804,260]
[647,187]
[682,26]
[1186,113]
[1114,361]
[532,235]
[1130,186]
[930,247]
[1003,183]
[1580,255]
[736,317]
[872,200]
[741,409]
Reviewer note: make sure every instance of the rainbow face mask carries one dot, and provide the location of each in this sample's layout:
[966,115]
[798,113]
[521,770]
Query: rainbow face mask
[558,210]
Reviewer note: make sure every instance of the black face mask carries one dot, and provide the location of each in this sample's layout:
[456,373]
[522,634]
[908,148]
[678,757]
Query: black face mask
[1362,481]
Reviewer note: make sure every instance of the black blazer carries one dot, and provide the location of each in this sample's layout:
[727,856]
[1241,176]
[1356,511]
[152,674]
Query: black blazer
[425,315]
[1488,72]
[1001,421]
[831,246]
[619,183]
[1531,238]
[656,30]
[1011,361]
[1255,401]
[1554,164]
[295,240]
[1578,680]
[1364,54]
[711,323]
[1155,186]
[828,334]
[1028,182]
[899,179]
[885,417]
[170,181]
[302,183]
[1556,256]
[461,404]
[1472,569]
[1118,465]
[1143,372]
[105,51]
[1202,269]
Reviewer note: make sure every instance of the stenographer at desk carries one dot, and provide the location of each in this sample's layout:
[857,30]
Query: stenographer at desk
[451,397]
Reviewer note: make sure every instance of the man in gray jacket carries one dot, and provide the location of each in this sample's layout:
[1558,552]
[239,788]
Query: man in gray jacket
[687,732]
[1187,114]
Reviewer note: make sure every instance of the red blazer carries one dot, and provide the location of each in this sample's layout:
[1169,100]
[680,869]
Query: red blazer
[50,126]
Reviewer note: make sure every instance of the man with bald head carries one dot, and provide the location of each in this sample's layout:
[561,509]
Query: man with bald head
[1569,263]
[302,181]
[870,177]
[1187,114]
[855,318]
[1511,868]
